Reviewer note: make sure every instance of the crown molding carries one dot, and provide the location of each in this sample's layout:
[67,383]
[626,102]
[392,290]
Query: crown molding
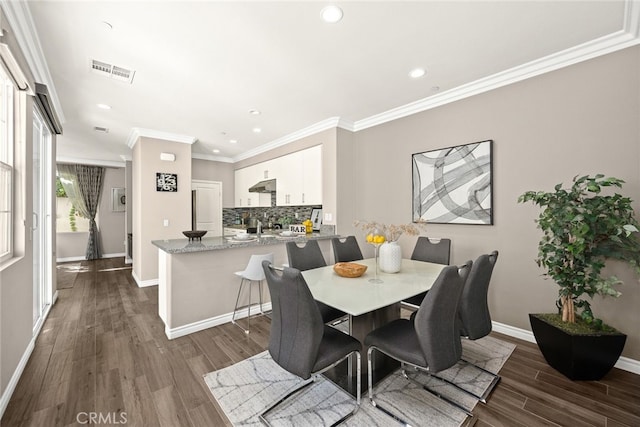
[598,47]
[323,125]
[92,162]
[632,18]
[137,133]
[211,158]
[19,18]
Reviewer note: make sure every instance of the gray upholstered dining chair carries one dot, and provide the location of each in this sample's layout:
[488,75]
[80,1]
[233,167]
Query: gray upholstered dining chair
[299,341]
[346,250]
[432,342]
[428,250]
[474,317]
[305,258]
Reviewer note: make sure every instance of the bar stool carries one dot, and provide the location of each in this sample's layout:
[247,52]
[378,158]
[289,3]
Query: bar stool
[253,273]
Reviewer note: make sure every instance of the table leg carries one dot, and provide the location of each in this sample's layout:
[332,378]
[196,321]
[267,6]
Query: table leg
[360,326]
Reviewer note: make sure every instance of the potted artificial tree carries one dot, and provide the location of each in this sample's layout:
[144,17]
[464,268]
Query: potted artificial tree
[582,228]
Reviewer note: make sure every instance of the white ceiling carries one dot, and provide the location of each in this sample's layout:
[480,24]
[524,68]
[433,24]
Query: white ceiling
[201,66]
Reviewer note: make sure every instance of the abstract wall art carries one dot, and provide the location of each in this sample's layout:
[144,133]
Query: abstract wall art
[166,182]
[453,185]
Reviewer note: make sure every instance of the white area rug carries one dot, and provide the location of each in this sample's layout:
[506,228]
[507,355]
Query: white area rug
[245,389]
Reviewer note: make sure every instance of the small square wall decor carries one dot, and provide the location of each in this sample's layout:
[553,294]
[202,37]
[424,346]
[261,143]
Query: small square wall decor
[453,185]
[166,182]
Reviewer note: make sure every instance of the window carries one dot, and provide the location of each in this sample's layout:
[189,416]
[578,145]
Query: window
[68,219]
[6,166]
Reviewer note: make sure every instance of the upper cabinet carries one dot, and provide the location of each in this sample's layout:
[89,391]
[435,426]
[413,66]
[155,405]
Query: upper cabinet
[298,180]
[245,178]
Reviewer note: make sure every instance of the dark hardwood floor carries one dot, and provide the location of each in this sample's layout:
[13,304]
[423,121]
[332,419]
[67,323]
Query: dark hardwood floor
[103,351]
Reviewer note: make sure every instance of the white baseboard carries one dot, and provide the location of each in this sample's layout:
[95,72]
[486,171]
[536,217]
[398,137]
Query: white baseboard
[624,363]
[143,283]
[181,331]
[82,258]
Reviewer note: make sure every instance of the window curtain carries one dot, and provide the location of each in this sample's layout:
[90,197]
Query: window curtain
[83,185]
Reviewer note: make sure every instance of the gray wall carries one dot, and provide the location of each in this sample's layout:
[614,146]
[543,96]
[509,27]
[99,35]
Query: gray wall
[16,276]
[208,170]
[579,120]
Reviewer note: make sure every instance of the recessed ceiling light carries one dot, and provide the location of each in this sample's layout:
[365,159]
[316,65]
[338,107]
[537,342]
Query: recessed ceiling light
[417,73]
[104,106]
[255,112]
[101,129]
[257,130]
[233,141]
[331,14]
[215,150]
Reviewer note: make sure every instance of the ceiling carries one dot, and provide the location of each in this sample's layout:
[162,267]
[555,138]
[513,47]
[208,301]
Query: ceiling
[200,67]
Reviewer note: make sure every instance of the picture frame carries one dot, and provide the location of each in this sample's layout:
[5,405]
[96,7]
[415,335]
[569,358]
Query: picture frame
[167,182]
[454,185]
[118,199]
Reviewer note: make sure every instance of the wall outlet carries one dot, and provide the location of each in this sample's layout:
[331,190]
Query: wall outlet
[165,222]
[328,217]
[296,214]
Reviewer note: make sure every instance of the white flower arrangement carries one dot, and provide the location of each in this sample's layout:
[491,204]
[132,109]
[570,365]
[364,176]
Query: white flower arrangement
[392,232]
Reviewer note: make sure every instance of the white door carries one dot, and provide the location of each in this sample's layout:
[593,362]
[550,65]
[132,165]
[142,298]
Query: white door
[208,206]
[42,220]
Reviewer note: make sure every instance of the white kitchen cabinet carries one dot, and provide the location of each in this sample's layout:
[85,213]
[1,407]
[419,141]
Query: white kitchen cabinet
[289,179]
[299,178]
[245,178]
[241,188]
[312,176]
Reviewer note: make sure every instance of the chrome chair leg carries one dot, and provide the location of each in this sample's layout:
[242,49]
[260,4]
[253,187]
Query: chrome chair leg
[235,310]
[371,395]
[438,395]
[404,374]
[297,388]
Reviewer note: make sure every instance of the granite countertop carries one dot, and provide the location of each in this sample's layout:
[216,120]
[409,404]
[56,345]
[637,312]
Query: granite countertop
[181,246]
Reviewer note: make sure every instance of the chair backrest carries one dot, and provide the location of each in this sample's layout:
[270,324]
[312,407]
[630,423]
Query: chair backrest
[305,257]
[296,324]
[435,250]
[347,250]
[436,320]
[474,310]
[254,270]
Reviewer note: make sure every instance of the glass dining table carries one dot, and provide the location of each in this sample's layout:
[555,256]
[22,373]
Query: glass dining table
[371,305]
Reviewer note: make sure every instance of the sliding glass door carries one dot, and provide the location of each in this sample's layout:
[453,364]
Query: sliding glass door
[42,220]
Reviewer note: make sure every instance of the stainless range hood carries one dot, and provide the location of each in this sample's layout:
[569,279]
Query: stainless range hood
[267,186]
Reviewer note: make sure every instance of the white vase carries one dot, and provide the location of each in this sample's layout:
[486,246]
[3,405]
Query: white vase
[390,257]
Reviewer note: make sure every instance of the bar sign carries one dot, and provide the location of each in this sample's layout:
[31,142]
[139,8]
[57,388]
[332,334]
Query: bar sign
[298,228]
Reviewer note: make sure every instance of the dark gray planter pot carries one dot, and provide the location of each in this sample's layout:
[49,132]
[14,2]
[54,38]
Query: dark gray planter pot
[578,357]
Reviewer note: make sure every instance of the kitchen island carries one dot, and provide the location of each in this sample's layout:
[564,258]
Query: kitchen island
[197,286]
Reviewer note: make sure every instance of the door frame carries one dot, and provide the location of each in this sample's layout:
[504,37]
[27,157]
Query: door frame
[202,182]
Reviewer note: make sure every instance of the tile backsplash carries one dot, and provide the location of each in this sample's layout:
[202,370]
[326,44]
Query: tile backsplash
[281,214]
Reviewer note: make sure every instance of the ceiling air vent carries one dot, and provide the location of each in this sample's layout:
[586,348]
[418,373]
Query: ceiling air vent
[112,71]
[101,129]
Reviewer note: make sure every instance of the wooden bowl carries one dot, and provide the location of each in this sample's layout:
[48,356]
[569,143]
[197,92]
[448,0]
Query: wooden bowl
[194,234]
[349,269]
